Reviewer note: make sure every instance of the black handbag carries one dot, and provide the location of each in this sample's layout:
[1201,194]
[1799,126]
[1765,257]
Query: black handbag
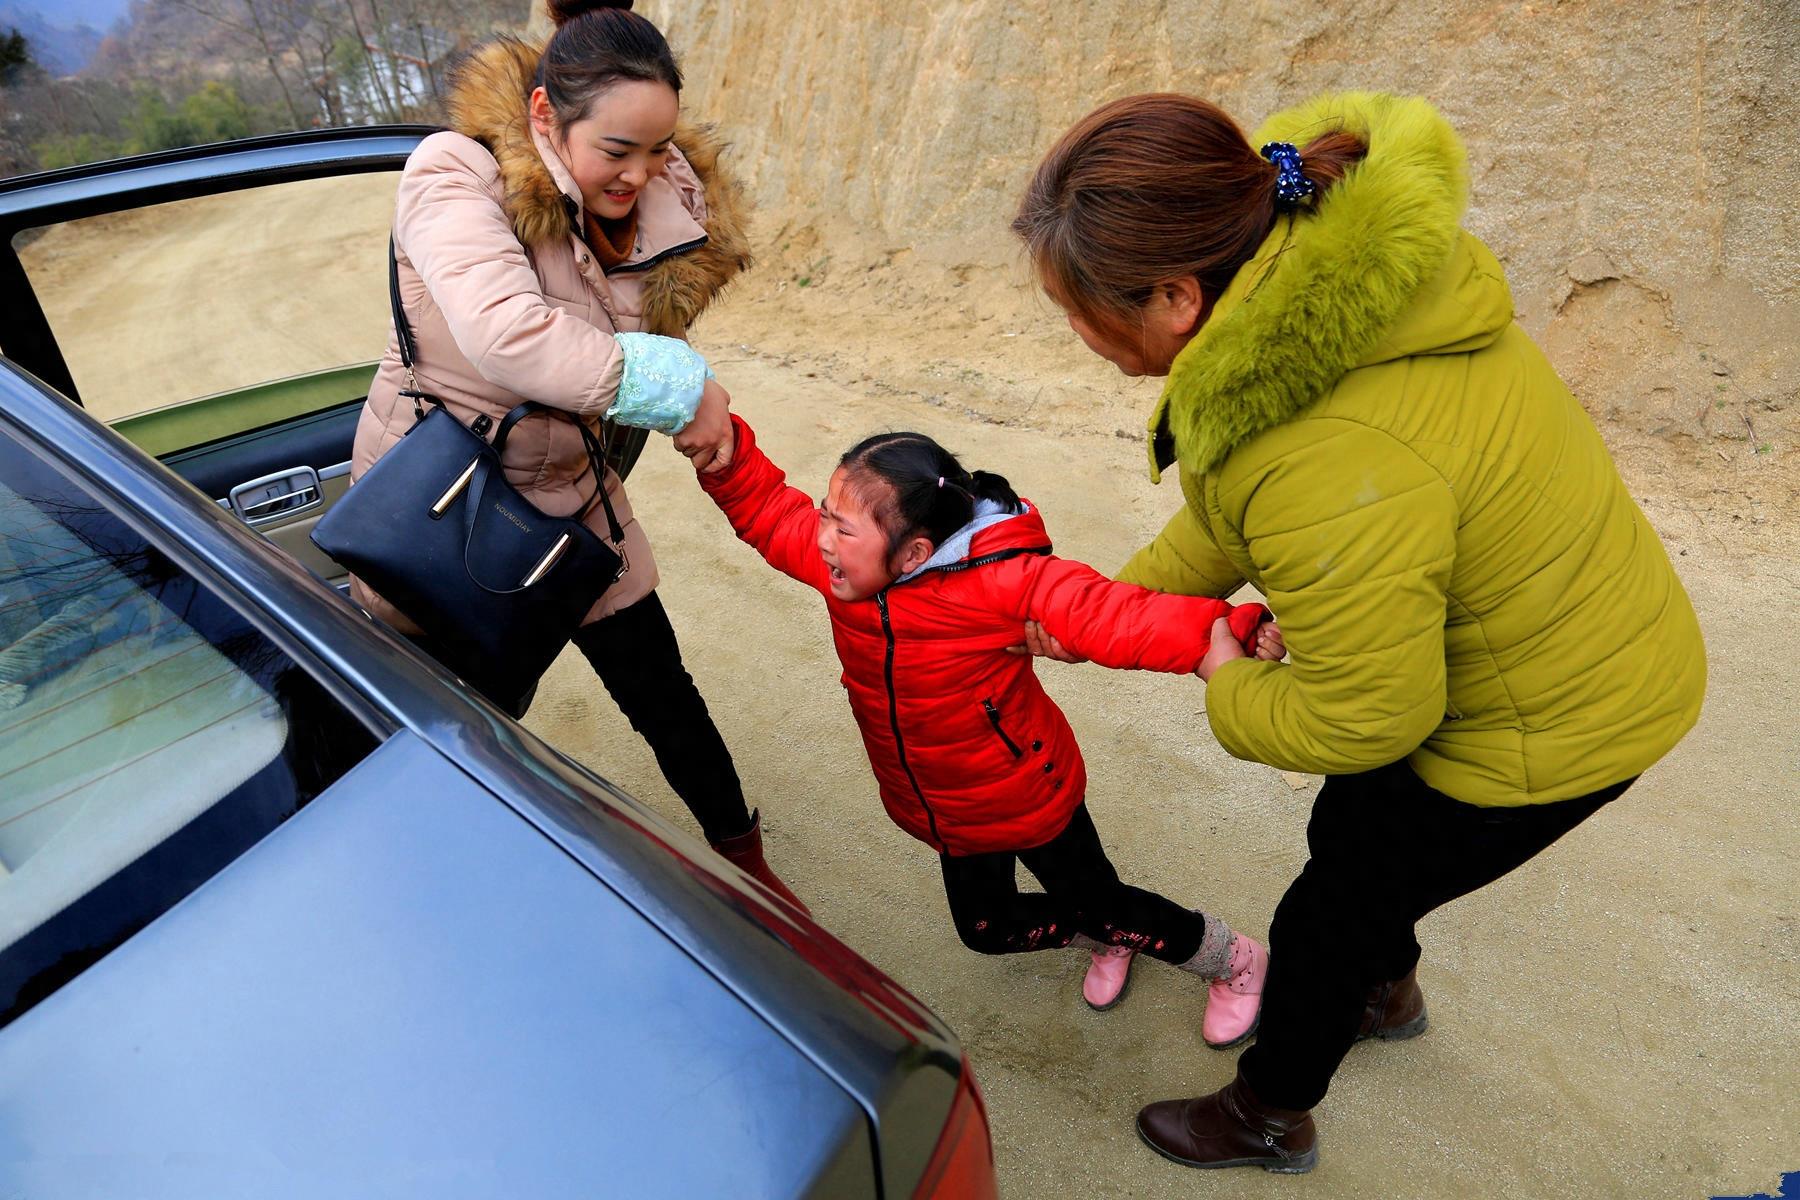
[433,526]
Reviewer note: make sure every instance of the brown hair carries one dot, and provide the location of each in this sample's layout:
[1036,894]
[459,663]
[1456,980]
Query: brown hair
[1151,188]
[598,43]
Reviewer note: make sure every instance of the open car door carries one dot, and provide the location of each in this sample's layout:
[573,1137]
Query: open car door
[223,307]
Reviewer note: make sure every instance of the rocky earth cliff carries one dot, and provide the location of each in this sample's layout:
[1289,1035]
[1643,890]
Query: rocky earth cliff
[1633,165]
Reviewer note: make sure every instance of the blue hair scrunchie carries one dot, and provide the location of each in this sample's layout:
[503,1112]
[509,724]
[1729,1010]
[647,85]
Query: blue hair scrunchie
[1291,187]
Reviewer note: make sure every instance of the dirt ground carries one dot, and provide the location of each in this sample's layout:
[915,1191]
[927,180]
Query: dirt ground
[1617,1019]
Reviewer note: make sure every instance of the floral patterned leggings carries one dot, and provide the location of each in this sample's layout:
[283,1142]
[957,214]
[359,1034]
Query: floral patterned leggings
[1082,895]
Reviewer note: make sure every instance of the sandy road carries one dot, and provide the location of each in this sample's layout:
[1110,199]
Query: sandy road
[1618,1019]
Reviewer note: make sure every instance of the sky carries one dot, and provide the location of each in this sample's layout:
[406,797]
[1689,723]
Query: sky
[98,13]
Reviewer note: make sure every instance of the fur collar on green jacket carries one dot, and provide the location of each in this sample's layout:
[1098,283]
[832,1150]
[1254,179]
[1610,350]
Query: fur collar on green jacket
[1329,285]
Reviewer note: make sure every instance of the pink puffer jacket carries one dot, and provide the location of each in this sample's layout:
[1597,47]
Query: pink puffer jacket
[508,304]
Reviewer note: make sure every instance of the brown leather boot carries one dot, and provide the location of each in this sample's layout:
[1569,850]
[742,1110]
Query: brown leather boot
[1231,1128]
[745,852]
[1394,1011]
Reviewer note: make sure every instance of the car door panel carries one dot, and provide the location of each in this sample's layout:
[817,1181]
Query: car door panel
[294,533]
[321,441]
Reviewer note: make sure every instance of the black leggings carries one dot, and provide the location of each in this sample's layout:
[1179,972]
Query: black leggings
[1082,894]
[635,654]
[1386,850]
[638,660]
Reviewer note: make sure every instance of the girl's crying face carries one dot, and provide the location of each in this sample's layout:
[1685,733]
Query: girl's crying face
[852,541]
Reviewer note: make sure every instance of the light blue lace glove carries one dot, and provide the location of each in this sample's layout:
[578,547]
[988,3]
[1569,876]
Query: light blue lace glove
[663,379]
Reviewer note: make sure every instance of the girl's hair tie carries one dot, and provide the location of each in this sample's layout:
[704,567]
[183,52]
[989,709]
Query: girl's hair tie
[1291,187]
[940,481]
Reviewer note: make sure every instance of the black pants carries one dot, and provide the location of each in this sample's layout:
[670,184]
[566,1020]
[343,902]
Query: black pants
[638,660]
[1385,850]
[1082,894]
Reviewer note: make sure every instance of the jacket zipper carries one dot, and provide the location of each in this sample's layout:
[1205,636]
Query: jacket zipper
[660,256]
[580,235]
[984,560]
[887,629]
[993,716]
[579,227]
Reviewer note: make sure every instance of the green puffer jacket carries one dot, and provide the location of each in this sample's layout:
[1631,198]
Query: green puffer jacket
[1364,434]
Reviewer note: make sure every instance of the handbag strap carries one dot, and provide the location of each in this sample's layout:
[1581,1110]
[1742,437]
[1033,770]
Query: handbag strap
[408,356]
[402,327]
[596,455]
[512,418]
[404,334]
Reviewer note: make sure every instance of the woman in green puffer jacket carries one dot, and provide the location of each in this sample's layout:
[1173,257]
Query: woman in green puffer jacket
[1364,433]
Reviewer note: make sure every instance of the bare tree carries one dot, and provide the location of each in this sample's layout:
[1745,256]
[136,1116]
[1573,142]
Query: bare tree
[314,31]
[417,16]
[269,55]
[247,18]
[378,78]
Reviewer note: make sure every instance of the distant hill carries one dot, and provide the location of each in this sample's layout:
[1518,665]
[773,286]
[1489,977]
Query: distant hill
[101,14]
[64,43]
[157,36]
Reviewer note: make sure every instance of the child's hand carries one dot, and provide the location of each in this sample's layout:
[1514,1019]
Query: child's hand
[1269,646]
[709,439]
[726,452]
[1225,647]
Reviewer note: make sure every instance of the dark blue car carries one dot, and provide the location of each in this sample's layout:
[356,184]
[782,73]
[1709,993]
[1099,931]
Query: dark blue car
[286,910]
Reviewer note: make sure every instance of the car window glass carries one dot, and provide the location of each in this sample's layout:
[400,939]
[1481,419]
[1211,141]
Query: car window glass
[173,302]
[148,733]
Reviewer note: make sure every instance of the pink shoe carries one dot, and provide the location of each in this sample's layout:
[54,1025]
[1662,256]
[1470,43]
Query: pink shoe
[1234,1002]
[1108,977]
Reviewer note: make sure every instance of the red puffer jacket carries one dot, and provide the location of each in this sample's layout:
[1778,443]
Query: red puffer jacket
[970,753]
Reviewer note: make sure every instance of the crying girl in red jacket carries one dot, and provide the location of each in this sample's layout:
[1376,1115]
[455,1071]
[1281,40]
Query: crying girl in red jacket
[929,573]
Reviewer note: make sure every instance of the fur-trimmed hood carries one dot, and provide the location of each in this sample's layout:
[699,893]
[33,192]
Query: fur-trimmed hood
[488,103]
[1377,269]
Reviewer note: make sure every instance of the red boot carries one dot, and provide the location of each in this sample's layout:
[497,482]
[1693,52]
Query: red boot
[745,852]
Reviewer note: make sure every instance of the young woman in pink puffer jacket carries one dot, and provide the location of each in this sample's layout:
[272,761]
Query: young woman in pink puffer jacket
[554,246]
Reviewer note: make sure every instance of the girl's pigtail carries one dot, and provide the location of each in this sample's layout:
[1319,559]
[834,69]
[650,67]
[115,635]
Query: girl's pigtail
[985,485]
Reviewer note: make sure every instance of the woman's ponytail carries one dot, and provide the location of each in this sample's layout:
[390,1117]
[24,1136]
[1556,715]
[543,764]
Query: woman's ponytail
[1158,187]
[1326,158]
[563,11]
